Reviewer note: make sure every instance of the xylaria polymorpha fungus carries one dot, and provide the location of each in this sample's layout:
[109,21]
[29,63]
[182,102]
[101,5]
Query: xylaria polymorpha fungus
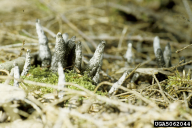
[78,54]
[96,60]
[97,76]
[117,84]
[156,44]
[44,51]
[159,58]
[70,53]
[129,54]
[181,61]
[59,54]
[16,74]
[167,55]
[61,80]
[27,63]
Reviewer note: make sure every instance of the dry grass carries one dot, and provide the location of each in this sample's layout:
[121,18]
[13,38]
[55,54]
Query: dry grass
[92,21]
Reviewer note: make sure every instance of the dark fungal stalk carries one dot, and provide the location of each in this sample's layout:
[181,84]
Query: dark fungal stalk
[61,80]
[78,58]
[167,55]
[159,58]
[44,51]
[96,60]
[181,61]
[134,78]
[97,76]
[59,54]
[70,53]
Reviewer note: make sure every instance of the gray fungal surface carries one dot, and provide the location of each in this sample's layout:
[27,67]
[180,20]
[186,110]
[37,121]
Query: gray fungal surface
[61,80]
[96,60]
[27,63]
[117,84]
[156,44]
[78,54]
[167,55]
[181,61]
[159,58]
[59,54]
[70,52]
[44,50]
[16,74]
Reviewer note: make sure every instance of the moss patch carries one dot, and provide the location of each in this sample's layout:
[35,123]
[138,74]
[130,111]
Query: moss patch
[176,81]
[43,75]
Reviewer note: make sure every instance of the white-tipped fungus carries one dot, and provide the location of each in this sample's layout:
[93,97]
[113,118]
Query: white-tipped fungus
[27,63]
[156,44]
[16,74]
[44,51]
[61,80]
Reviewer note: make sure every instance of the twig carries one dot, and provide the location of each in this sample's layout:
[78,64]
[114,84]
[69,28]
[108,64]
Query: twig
[122,36]
[138,38]
[133,71]
[73,113]
[185,101]
[161,91]
[19,37]
[141,97]
[183,48]
[27,23]
[34,106]
[87,92]
[102,83]
[174,67]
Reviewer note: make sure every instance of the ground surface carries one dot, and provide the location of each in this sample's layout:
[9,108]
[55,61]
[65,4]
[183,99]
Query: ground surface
[116,22]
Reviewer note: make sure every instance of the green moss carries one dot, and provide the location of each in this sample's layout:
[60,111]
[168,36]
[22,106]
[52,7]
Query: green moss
[82,80]
[43,75]
[176,81]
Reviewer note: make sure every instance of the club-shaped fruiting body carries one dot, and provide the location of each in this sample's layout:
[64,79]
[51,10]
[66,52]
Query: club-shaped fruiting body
[159,58]
[78,54]
[117,84]
[27,63]
[181,61]
[129,54]
[61,80]
[167,55]
[16,74]
[59,54]
[156,44]
[70,52]
[96,60]
[96,77]
[44,51]
[134,78]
